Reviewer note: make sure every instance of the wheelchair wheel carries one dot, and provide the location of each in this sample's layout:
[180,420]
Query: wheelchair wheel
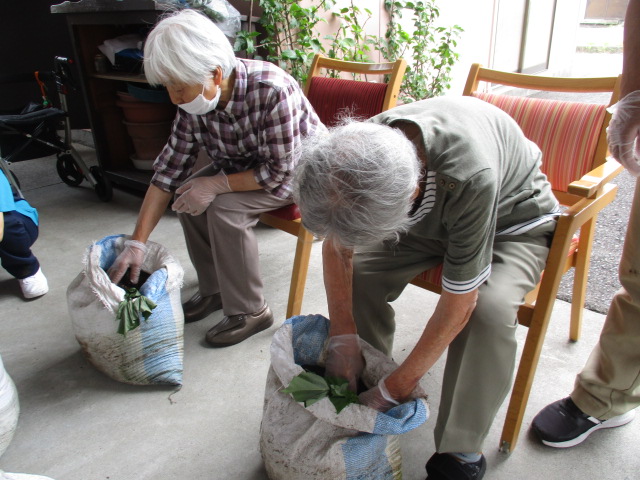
[68,170]
[103,184]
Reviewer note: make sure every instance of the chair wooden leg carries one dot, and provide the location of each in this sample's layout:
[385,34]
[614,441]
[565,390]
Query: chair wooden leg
[299,273]
[524,378]
[580,278]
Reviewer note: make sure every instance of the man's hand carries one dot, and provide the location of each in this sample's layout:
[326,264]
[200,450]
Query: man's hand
[378,398]
[198,193]
[623,132]
[344,359]
[132,256]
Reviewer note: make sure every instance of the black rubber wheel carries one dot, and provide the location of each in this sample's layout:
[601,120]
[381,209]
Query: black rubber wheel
[103,184]
[68,170]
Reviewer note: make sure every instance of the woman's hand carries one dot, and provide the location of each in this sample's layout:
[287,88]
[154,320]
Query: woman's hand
[344,359]
[198,193]
[624,130]
[132,256]
[378,397]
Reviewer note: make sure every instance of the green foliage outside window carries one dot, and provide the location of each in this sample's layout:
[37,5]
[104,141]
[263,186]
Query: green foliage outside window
[291,40]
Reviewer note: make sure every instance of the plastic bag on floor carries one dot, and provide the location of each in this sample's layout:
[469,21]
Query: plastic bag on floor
[9,409]
[151,353]
[9,412]
[316,442]
[21,476]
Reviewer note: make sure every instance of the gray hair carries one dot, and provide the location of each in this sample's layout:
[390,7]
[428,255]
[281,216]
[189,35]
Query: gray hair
[355,184]
[184,48]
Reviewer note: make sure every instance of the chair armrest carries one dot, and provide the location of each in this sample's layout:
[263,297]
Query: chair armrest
[585,209]
[591,183]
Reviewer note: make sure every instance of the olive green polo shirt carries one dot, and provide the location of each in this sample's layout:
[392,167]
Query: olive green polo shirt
[485,178]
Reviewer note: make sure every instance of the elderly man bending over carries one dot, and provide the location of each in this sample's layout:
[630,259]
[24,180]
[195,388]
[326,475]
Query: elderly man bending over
[446,180]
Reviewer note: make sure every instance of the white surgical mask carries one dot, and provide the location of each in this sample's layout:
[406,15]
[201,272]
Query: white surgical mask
[200,105]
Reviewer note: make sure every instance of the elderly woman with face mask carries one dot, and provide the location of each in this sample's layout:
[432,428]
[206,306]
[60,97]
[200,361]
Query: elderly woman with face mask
[249,118]
[446,180]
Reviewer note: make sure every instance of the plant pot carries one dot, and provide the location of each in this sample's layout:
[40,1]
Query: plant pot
[148,148]
[149,130]
[146,112]
[149,94]
[141,164]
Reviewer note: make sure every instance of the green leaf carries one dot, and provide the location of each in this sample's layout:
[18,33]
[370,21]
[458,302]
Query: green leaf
[289,54]
[308,388]
[340,403]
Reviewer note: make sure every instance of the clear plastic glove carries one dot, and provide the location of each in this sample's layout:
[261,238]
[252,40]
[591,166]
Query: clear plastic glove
[198,193]
[378,397]
[623,132]
[132,257]
[344,359]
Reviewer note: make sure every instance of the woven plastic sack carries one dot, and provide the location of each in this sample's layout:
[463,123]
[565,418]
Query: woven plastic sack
[21,476]
[9,409]
[359,443]
[153,352]
[9,412]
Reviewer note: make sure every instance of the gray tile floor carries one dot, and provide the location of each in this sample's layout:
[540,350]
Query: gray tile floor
[77,424]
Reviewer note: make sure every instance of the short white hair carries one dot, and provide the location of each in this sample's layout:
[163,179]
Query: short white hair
[356,183]
[184,48]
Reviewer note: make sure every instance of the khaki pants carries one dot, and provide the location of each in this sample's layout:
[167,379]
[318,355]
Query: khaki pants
[609,384]
[481,359]
[224,250]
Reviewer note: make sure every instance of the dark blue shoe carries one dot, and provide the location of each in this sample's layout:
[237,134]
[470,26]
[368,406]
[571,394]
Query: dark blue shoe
[442,466]
[562,424]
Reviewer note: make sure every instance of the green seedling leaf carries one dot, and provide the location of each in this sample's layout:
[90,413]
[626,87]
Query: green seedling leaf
[340,403]
[308,388]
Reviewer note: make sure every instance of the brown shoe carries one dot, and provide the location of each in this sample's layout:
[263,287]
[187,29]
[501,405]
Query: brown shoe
[236,328]
[199,307]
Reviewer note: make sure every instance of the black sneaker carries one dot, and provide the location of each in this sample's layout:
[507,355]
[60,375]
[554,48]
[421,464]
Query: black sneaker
[562,424]
[442,466]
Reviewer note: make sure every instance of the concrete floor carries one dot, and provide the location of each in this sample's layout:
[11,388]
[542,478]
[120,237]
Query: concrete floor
[78,424]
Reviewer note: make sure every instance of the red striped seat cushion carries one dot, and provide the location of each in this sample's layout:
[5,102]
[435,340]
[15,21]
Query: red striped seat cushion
[566,132]
[331,96]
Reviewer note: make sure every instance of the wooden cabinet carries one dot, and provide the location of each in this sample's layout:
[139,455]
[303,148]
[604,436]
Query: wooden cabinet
[90,23]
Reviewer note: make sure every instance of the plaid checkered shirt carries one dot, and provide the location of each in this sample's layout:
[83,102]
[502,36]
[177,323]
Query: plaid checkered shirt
[260,129]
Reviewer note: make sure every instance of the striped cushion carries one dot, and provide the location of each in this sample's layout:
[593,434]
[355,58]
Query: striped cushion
[332,96]
[566,132]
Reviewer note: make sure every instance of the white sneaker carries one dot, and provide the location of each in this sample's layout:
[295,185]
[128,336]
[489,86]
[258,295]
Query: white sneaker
[34,286]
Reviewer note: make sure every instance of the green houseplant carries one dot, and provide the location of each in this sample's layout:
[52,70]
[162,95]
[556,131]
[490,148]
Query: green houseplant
[290,40]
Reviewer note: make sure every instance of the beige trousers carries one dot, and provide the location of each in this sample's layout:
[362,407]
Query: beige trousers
[609,384]
[481,359]
[224,250]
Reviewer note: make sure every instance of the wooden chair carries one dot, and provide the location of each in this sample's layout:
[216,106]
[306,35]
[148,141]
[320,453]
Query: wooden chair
[572,137]
[330,97]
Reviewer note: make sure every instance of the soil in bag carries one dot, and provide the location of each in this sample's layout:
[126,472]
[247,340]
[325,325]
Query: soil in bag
[127,283]
[318,370]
